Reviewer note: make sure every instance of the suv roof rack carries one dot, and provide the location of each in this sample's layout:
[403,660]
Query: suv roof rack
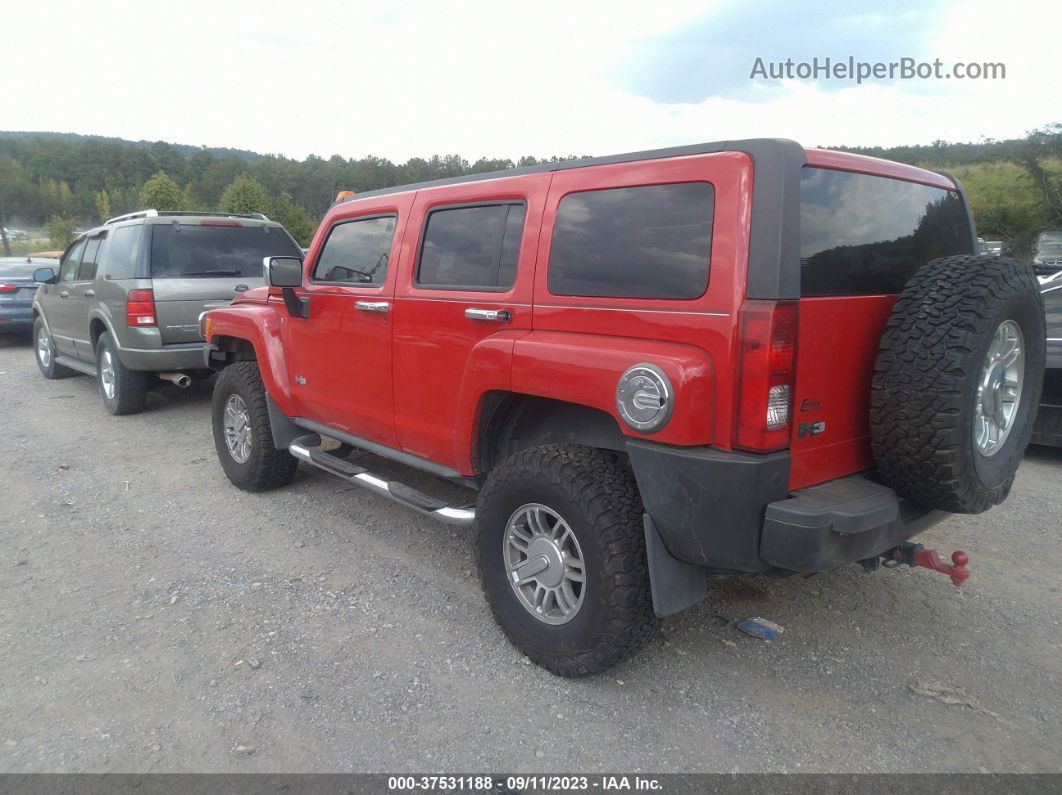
[131,216]
[162,213]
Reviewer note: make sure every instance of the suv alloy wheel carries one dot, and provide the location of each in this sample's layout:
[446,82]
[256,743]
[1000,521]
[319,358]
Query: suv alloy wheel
[561,554]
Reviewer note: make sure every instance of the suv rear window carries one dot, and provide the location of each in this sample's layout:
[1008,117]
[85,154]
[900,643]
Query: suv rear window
[652,241]
[867,235]
[190,251]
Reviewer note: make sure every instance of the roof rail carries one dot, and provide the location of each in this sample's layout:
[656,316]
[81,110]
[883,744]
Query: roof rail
[167,213]
[255,216]
[131,216]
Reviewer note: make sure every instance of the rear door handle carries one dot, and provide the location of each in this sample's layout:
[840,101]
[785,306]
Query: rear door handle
[90,293]
[372,306]
[497,315]
[64,294]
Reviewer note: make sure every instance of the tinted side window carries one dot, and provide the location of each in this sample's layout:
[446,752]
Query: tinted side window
[87,270]
[118,257]
[356,252]
[71,262]
[866,235]
[646,242]
[473,247]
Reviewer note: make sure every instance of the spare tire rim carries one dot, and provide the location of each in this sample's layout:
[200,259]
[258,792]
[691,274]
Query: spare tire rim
[237,424]
[544,564]
[999,388]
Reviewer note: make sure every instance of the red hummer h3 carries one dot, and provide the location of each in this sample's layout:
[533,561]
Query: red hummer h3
[732,358]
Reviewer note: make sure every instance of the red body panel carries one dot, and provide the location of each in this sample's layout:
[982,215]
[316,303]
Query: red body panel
[444,361]
[706,324]
[837,343]
[861,164]
[340,359]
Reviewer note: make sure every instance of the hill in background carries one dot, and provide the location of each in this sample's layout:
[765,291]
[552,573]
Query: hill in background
[1015,186]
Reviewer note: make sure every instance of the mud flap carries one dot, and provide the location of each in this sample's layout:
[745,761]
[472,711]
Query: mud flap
[675,584]
[284,430]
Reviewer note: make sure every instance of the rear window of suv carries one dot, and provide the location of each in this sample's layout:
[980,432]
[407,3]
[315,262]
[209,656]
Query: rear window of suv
[191,251]
[652,241]
[867,235]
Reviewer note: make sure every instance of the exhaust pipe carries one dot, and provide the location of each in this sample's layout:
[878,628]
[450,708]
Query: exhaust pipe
[183,380]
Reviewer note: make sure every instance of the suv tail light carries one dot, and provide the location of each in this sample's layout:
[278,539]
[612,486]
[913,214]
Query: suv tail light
[767,374]
[8,288]
[140,308]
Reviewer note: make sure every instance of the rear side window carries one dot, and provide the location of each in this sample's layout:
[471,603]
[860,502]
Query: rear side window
[866,235]
[190,251]
[118,257]
[71,262]
[471,247]
[87,270]
[652,241]
[356,252]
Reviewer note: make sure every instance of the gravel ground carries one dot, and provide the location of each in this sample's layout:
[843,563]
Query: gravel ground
[154,618]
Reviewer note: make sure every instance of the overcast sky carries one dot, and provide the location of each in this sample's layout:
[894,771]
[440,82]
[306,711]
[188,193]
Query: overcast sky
[502,79]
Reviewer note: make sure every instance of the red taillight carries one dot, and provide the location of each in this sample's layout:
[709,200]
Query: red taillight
[8,288]
[223,222]
[767,372]
[140,308]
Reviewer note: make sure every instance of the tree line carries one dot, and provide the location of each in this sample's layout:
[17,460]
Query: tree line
[66,180]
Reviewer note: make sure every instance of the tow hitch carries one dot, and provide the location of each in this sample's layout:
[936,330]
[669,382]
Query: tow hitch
[917,555]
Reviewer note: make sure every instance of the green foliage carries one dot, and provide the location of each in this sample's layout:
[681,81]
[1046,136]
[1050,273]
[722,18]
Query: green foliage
[161,193]
[1014,187]
[295,219]
[61,230]
[245,195]
[103,205]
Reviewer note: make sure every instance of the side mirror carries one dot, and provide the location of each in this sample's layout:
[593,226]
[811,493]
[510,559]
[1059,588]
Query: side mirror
[283,271]
[44,276]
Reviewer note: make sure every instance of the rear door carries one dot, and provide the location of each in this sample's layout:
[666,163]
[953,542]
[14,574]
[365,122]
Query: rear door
[198,265]
[862,238]
[82,293]
[470,257]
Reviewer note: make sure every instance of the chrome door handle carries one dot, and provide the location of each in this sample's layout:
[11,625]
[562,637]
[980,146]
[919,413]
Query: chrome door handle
[64,294]
[497,315]
[89,293]
[372,306]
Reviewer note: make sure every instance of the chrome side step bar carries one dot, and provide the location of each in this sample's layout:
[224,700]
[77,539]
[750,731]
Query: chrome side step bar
[305,448]
[76,364]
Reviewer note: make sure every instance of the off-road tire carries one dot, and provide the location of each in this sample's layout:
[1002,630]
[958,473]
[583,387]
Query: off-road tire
[925,385]
[51,371]
[130,386]
[266,468]
[594,491]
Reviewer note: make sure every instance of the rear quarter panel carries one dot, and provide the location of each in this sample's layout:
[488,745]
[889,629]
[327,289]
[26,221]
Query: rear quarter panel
[580,345]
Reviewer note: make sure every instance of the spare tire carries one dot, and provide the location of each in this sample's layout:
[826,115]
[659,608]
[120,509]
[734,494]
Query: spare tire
[957,381]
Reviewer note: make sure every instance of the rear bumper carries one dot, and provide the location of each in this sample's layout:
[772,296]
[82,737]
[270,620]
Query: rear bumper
[16,319]
[1054,353]
[834,523]
[733,512]
[185,356]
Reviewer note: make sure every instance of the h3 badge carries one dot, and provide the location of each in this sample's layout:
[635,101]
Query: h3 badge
[813,428]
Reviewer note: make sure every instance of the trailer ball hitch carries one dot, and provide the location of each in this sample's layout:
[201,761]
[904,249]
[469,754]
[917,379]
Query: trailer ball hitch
[917,555]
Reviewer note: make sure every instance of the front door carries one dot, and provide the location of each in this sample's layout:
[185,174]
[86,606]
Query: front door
[56,298]
[339,358]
